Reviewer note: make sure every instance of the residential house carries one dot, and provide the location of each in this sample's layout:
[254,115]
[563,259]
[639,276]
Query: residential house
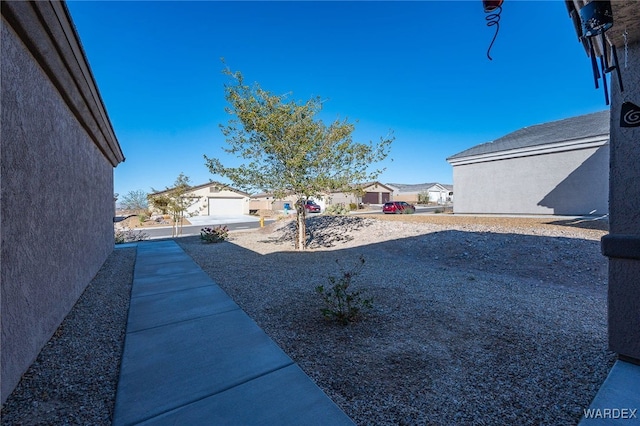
[560,167]
[58,154]
[421,192]
[212,199]
[366,193]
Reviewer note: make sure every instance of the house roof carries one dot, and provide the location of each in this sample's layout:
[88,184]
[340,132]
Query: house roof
[204,185]
[417,187]
[367,184]
[583,126]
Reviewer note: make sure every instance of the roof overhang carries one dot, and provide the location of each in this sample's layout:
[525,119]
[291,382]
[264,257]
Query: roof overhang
[47,31]
[551,148]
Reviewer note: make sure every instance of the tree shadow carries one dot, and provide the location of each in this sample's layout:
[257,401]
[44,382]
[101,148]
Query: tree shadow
[322,231]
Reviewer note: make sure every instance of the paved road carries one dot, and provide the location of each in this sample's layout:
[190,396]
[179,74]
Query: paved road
[165,232]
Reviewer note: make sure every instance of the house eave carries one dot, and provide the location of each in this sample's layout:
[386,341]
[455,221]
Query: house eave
[557,147]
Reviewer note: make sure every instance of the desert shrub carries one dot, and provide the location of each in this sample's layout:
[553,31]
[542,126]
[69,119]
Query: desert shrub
[423,198]
[126,235]
[343,304]
[353,206]
[214,235]
[336,209]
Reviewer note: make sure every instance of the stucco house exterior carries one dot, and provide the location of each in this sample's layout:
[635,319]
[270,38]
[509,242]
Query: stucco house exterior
[413,193]
[58,154]
[560,167]
[213,199]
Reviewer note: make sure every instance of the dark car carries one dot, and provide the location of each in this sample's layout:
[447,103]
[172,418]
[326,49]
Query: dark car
[398,207]
[311,207]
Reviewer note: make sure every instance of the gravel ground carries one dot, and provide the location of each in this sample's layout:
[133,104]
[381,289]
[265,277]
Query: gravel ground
[475,320]
[73,380]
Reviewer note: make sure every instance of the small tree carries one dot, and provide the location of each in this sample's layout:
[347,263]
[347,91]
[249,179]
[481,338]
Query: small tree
[135,200]
[423,197]
[175,201]
[289,151]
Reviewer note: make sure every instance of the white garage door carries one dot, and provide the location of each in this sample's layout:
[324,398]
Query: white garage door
[225,206]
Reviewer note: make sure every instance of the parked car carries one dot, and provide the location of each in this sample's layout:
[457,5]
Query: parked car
[311,207]
[393,207]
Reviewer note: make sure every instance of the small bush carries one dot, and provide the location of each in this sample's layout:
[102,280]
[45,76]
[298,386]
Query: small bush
[126,235]
[214,235]
[353,206]
[336,209]
[341,303]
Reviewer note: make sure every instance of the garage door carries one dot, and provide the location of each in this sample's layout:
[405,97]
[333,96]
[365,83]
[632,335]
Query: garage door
[225,206]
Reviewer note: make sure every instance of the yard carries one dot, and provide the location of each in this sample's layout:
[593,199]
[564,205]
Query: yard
[475,320]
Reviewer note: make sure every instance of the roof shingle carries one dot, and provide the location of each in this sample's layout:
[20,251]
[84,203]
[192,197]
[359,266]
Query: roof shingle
[583,126]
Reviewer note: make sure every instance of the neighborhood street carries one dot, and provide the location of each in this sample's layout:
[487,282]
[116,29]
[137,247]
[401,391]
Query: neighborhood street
[237,224]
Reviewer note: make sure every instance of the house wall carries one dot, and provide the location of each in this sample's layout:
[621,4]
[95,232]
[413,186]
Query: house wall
[342,198]
[622,245]
[58,154]
[204,196]
[571,182]
[409,197]
[262,203]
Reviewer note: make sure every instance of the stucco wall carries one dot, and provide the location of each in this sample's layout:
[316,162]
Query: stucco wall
[624,284]
[564,183]
[57,196]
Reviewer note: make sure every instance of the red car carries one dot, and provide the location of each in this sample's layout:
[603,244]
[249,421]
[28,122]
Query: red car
[398,207]
[311,207]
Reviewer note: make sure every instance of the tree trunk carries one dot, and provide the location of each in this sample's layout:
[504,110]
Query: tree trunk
[301,237]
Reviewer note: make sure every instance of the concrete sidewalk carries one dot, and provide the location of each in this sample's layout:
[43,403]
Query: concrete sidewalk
[193,357]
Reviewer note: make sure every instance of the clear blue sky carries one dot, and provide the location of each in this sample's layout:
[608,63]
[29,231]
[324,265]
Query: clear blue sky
[418,68]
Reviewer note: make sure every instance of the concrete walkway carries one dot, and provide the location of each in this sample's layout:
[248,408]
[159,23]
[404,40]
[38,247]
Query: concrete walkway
[193,357]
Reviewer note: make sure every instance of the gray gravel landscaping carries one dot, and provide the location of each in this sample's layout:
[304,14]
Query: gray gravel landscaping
[474,321]
[73,380]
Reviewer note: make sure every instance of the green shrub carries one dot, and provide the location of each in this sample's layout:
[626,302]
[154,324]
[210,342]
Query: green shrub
[214,235]
[353,206]
[343,304]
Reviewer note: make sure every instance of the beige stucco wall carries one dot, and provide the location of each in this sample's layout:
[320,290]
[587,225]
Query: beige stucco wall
[56,185]
[203,196]
[409,197]
[573,182]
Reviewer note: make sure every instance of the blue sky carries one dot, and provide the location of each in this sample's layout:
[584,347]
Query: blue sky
[418,68]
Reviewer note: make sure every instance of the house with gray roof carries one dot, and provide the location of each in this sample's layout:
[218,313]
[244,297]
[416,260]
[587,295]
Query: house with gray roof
[417,192]
[560,167]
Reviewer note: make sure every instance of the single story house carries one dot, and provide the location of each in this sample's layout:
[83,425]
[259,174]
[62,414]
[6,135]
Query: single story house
[59,150]
[560,167]
[420,192]
[366,193]
[212,199]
